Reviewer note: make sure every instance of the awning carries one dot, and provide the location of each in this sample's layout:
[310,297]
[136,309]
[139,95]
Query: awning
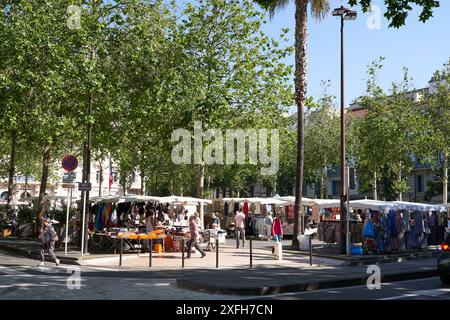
[176,199]
[372,204]
[324,203]
[257,200]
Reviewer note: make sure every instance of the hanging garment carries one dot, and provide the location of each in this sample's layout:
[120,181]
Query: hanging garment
[113,220]
[401,234]
[257,208]
[231,209]
[245,208]
[99,217]
[225,209]
[391,225]
[236,207]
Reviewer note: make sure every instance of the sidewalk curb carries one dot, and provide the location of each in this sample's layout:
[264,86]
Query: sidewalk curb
[298,287]
[362,261]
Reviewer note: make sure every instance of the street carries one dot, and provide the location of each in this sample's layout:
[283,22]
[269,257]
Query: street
[20,278]
[420,289]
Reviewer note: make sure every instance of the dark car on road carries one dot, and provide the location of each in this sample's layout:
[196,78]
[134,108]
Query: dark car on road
[444,261]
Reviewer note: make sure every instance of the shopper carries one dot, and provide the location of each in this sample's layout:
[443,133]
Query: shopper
[277,230]
[215,224]
[48,236]
[268,222]
[239,221]
[195,236]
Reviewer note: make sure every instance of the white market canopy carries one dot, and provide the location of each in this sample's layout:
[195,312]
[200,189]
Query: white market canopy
[418,206]
[49,197]
[371,204]
[291,200]
[139,198]
[187,200]
[324,203]
[257,200]
[394,205]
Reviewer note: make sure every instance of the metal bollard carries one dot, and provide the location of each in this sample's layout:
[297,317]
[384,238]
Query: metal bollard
[182,253]
[310,251]
[217,253]
[150,253]
[121,252]
[251,254]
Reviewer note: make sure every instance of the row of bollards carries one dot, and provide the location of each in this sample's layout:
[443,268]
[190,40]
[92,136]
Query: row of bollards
[217,252]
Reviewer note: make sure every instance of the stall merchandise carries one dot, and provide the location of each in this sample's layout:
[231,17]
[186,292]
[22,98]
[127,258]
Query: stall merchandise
[400,230]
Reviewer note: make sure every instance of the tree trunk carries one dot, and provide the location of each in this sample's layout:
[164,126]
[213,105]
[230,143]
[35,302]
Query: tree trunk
[12,167]
[100,178]
[301,16]
[322,184]
[375,193]
[26,186]
[200,188]
[44,178]
[400,196]
[142,182]
[445,180]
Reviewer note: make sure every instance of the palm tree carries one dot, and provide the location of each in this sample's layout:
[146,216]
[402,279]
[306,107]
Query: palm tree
[319,9]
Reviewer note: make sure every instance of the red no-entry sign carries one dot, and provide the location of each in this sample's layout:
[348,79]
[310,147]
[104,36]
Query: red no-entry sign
[69,163]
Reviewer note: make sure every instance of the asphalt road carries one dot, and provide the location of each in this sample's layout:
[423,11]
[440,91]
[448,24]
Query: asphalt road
[20,278]
[420,289]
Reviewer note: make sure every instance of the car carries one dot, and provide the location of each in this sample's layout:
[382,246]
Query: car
[444,261]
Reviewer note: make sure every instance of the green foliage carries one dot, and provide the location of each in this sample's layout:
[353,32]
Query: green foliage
[398,10]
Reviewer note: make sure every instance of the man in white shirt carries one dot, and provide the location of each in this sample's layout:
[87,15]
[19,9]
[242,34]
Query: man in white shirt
[239,220]
[268,222]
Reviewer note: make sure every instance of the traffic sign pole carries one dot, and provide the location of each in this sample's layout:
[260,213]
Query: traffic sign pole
[82,228]
[69,198]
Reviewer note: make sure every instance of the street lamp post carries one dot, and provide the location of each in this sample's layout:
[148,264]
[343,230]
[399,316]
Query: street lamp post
[345,14]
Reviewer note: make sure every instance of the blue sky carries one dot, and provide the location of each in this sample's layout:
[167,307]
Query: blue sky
[423,48]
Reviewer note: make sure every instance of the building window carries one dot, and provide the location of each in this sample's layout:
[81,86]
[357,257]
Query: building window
[252,191]
[352,179]
[4,195]
[336,187]
[115,176]
[217,193]
[419,186]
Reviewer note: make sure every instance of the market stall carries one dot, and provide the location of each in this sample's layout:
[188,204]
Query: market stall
[138,216]
[398,226]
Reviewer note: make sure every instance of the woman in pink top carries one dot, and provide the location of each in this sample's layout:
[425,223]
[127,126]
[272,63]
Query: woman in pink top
[195,236]
[277,228]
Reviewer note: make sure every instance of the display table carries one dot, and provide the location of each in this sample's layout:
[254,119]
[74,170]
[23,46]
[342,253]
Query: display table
[149,237]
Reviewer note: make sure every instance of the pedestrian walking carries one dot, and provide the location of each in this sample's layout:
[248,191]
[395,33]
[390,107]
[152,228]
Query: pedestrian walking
[239,221]
[48,236]
[195,236]
[277,230]
[268,222]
